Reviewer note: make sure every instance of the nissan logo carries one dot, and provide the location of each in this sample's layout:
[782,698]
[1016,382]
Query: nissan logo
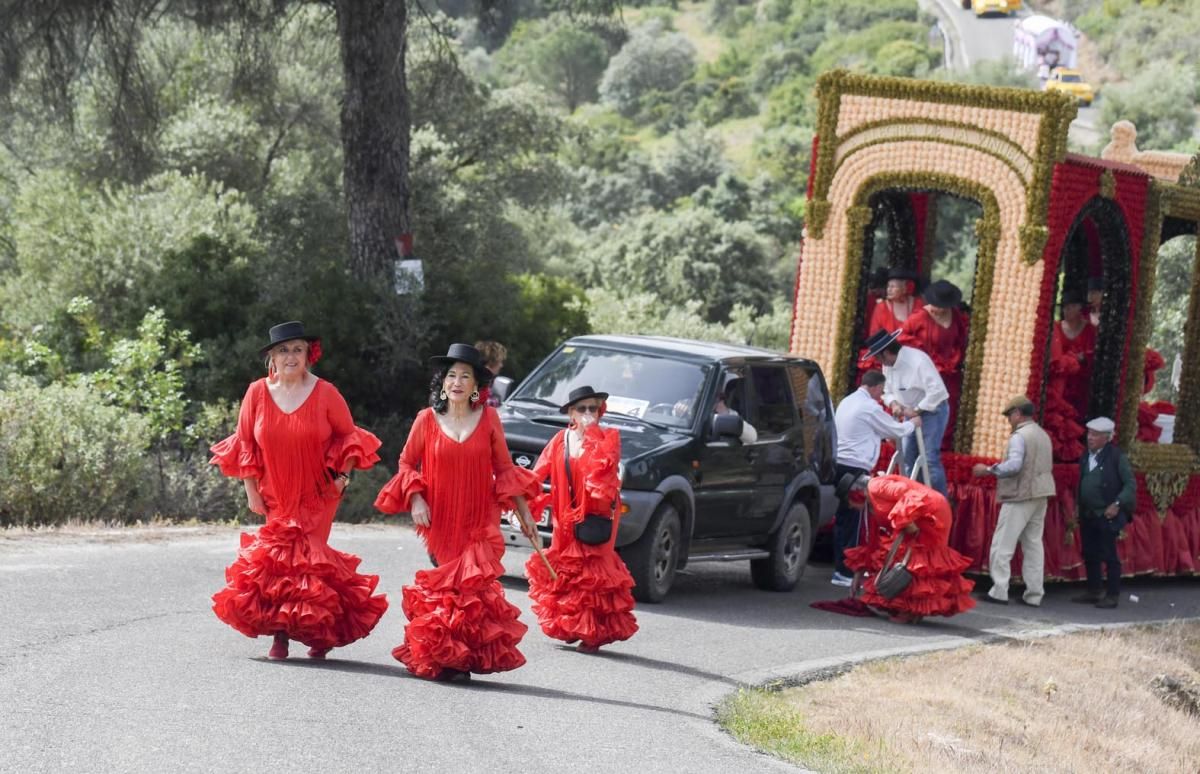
[523,461]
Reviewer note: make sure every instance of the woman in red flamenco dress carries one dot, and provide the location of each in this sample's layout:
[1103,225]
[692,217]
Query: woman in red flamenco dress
[1072,343]
[455,478]
[294,447]
[590,600]
[940,328]
[904,509]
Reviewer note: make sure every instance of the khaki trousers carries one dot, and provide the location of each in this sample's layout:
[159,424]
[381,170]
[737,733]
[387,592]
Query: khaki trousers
[1022,521]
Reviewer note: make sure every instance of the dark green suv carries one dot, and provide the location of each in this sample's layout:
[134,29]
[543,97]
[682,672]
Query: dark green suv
[727,452]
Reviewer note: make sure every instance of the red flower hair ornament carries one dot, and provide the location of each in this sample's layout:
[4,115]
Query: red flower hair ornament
[314,352]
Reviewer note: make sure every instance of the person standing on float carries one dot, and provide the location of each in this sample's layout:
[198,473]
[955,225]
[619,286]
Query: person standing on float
[590,600]
[294,448]
[456,477]
[939,329]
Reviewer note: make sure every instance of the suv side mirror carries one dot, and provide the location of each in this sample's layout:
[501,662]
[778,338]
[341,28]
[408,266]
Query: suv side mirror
[501,386]
[727,426]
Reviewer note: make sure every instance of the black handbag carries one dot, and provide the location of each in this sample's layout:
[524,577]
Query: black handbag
[595,529]
[894,577]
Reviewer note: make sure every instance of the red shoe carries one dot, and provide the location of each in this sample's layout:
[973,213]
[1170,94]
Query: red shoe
[318,654]
[279,650]
[582,648]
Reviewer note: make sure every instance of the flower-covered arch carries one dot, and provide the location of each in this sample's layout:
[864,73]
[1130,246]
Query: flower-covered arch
[882,147]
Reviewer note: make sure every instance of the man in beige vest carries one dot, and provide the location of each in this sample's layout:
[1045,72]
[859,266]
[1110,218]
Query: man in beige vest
[1024,483]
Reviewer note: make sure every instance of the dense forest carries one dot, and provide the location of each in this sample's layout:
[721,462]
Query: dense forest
[176,177]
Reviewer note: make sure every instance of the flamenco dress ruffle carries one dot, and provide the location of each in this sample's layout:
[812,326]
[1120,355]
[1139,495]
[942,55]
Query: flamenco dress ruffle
[287,580]
[591,600]
[459,619]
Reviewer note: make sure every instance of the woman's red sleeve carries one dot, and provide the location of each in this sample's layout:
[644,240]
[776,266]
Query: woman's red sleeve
[511,481]
[396,495]
[238,456]
[349,440]
[541,470]
[602,481]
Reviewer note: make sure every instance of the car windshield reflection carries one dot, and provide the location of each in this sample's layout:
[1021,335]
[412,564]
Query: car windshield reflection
[642,386]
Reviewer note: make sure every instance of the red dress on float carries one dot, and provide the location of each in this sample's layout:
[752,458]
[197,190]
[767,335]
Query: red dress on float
[286,578]
[591,600]
[938,587]
[458,618]
[1067,391]
[946,347]
[1078,387]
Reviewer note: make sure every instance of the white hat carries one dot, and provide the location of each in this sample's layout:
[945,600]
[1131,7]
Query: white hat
[1101,425]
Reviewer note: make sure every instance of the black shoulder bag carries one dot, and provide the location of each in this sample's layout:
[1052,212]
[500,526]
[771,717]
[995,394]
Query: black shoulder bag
[596,528]
[894,577]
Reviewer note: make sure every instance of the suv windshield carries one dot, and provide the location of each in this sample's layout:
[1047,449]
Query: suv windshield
[645,386]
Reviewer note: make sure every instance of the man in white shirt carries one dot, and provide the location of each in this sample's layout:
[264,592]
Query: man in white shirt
[861,425]
[914,388]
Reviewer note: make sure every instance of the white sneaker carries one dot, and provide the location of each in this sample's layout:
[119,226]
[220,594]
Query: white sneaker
[841,580]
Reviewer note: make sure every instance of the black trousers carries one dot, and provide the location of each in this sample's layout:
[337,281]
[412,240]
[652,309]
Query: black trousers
[845,526]
[1098,536]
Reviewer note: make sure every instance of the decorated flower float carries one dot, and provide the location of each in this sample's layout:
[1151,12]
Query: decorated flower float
[885,149]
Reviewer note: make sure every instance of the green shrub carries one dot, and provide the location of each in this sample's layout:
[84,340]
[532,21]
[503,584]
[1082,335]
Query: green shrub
[67,455]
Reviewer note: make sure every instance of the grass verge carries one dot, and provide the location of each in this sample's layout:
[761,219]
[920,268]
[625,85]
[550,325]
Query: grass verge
[1116,700]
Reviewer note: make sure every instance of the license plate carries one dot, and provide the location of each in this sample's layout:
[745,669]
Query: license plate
[514,520]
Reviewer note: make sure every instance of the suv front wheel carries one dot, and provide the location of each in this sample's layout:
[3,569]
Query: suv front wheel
[653,558]
[789,546]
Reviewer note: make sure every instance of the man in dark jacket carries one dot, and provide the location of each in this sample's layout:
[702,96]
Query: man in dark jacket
[1107,491]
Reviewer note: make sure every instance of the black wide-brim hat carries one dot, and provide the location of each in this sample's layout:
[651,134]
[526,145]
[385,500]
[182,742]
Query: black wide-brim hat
[288,331]
[879,343]
[1072,296]
[581,393]
[460,353]
[942,294]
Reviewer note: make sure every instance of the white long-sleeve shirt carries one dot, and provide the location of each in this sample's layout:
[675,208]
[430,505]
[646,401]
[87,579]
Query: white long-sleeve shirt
[914,382]
[1014,458]
[861,424]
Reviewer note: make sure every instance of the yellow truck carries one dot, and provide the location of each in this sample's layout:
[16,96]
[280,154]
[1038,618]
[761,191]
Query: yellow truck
[989,7]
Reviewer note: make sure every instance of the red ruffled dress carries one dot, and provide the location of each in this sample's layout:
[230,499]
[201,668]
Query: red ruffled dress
[1067,376]
[938,587]
[458,617]
[590,602]
[946,347]
[286,578]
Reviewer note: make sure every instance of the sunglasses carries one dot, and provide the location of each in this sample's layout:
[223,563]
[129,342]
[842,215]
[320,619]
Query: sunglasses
[590,409]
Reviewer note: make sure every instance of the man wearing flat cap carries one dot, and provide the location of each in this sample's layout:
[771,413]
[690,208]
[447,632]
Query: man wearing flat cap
[1024,484]
[913,387]
[1107,492]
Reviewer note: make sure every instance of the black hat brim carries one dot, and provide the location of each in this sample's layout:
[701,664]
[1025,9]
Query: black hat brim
[267,348]
[879,346]
[567,406]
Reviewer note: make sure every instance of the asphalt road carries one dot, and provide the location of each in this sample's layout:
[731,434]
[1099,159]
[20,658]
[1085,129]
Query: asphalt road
[110,660]
[974,39]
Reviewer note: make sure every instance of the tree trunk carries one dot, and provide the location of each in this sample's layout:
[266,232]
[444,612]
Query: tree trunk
[375,131]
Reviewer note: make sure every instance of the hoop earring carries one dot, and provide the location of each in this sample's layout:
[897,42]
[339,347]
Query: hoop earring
[475,397]
[442,395]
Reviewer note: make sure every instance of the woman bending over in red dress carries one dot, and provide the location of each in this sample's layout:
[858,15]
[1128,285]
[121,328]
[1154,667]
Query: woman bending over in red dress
[906,510]
[294,448]
[455,478]
[590,601]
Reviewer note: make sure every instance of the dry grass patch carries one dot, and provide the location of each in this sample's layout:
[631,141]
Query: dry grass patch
[1100,701]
